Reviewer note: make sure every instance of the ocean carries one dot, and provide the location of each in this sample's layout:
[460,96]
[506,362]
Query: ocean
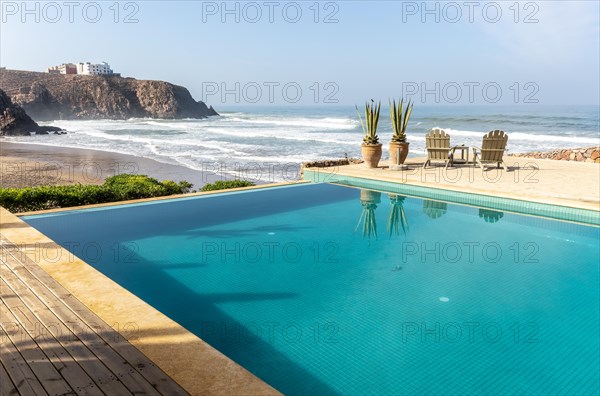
[269,143]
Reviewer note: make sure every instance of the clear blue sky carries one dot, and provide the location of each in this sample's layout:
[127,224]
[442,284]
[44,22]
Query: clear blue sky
[369,50]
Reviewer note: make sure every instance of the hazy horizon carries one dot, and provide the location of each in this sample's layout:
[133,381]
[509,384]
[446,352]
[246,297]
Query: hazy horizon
[238,54]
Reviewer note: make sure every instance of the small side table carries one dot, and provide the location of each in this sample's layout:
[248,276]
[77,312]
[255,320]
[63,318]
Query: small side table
[462,159]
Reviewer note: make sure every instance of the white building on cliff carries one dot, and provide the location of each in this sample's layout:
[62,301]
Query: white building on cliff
[86,68]
[94,68]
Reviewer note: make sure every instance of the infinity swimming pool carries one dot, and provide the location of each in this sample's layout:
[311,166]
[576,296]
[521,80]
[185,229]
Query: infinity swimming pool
[326,289]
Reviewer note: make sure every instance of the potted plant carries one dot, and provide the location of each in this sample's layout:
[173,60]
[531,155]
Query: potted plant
[369,200]
[398,144]
[371,148]
[397,217]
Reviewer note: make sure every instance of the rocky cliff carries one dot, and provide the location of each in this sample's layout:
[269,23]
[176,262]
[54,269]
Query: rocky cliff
[57,96]
[15,122]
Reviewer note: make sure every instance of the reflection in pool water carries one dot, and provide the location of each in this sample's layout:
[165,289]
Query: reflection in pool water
[280,281]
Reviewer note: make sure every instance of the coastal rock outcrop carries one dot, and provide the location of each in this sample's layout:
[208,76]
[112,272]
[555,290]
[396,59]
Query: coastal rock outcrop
[585,154]
[326,163]
[58,96]
[331,162]
[14,121]
[211,111]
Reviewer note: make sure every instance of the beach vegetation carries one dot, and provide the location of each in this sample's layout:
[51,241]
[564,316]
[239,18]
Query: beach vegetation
[226,184]
[116,188]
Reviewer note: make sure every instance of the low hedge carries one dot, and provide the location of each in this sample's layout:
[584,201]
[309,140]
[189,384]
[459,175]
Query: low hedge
[116,188]
[225,184]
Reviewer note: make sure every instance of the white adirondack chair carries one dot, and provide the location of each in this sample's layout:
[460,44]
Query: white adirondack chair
[437,142]
[492,149]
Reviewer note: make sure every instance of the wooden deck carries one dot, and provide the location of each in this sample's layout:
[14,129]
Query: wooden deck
[51,344]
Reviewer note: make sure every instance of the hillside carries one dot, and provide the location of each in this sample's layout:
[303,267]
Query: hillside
[57,96]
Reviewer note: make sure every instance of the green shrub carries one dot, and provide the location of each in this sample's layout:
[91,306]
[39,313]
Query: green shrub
[141,186]
[225,184]
[116,188]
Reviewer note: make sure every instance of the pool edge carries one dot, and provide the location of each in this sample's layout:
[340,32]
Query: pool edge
[191,362]
[505,202]
[163,198]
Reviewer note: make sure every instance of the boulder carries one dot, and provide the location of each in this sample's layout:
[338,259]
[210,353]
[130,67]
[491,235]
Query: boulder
[14,121]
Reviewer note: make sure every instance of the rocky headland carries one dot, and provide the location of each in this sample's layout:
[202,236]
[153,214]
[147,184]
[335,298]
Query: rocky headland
[47,97]
[14,121]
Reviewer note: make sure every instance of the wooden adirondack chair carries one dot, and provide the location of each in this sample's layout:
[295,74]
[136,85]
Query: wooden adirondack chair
[492,149]
[434,209]
[437,142]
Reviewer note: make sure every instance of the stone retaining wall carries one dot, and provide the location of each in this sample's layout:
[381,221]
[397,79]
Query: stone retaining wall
[332,162]
[587,154]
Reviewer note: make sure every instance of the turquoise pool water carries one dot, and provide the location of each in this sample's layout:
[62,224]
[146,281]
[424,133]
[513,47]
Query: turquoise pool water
[293,284]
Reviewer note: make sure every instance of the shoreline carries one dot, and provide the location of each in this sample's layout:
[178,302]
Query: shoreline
[28,165]
[32,164]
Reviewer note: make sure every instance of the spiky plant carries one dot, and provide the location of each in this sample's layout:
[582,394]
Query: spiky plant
[397,216]
[368,220]
[399,117]
[369,200]
[369,127]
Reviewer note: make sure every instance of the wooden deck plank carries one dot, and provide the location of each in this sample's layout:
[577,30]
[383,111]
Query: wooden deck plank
[134,369]
[154,375]
[43,368]
[86,333]
[18,369]
[43,342]
[78,353]
[7,388]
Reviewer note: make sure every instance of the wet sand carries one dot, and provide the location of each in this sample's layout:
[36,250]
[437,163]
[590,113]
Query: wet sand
[27,165]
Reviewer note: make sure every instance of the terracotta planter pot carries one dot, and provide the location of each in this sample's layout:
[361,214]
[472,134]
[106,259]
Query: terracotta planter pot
[396,159]
[371,154]
[369,196]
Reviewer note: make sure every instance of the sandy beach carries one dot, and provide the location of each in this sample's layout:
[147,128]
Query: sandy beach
[27,165]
